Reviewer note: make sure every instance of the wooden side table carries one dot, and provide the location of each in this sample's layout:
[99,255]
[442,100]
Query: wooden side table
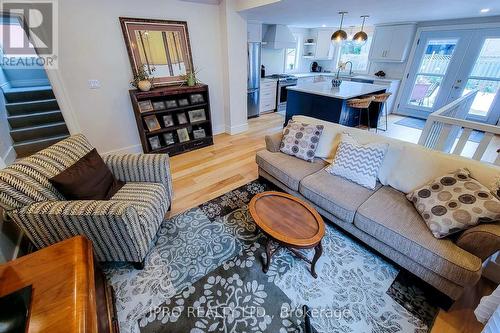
[290,222]
[70,293]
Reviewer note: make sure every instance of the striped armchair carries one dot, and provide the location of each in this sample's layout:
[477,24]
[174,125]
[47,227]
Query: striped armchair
[121,229]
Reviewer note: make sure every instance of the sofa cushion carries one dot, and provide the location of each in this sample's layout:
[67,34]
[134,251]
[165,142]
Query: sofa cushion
[287,169]
[388,216]
[301,140]
[336,195]
[454,202]
[418,165]
[356,162]
[150,201]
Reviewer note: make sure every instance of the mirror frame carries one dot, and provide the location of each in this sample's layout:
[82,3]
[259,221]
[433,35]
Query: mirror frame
[159,25]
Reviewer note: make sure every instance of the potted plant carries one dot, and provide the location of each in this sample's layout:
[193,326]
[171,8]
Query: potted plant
[142,79]
[190,78]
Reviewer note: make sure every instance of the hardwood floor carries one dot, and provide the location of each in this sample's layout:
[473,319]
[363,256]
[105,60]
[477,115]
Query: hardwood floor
[207,173]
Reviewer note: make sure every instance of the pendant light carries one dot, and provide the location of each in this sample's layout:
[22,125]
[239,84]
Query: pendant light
[340,35]
[361,37]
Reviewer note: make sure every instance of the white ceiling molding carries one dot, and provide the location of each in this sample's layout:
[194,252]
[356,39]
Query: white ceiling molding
[242,5]
[315,13]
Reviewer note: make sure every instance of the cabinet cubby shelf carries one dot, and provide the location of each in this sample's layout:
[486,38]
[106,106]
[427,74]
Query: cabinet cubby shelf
[176,127]
[178,109]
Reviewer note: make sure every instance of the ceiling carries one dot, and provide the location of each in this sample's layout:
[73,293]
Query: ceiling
[315,13]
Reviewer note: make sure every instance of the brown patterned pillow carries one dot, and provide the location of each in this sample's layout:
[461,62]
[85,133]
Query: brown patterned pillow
[301,140]
[454,202]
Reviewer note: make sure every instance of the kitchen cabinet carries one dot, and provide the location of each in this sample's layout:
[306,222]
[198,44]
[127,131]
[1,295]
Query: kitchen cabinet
[392,43]
[324,45]
[254,32]
[268,89]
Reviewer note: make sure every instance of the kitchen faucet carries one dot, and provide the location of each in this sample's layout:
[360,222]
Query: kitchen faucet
[350,69]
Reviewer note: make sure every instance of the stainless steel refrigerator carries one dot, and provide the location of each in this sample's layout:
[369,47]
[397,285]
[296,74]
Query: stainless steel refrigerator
[253,83]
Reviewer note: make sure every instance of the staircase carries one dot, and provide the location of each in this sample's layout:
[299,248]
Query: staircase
[34,118]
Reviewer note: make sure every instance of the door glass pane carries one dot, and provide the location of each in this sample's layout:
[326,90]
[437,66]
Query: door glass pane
[425,90]
[435,61]
[488,62]
[485,96]
[485,77]
[437,56]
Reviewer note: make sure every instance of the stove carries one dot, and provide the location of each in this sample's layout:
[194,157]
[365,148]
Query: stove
[283,78]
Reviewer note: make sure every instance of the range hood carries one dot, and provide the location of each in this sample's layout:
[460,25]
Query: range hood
[278,36]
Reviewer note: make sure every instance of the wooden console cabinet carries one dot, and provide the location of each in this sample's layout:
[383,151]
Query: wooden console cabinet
[69,294]
[181,114]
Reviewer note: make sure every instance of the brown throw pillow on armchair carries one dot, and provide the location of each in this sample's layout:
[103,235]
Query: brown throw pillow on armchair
[88,179]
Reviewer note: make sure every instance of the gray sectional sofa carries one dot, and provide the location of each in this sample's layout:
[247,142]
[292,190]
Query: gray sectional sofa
[383,218]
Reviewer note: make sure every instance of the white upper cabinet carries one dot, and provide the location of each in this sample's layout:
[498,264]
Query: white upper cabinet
[254,32]
[324,45]
[392,43]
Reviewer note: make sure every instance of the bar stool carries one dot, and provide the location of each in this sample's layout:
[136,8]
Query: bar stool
[362,104]
[382,99]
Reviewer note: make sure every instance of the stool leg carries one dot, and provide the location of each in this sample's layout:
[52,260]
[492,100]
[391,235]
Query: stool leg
[385,108]
[368,118]
[360,114]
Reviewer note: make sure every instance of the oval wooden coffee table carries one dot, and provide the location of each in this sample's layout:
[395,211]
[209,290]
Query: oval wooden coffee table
[290,222]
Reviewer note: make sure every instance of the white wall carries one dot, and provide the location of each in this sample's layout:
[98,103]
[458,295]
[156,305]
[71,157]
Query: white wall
[233,29]
[92,47]
[273,60]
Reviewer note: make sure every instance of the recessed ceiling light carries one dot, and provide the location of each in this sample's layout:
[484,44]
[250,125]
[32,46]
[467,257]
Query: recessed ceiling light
[323,25]
[485,10]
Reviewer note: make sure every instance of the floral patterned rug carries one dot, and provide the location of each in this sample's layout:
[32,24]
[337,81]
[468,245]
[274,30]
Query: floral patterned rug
[204,274]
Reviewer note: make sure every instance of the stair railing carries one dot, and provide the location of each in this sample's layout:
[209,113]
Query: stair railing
[443,126]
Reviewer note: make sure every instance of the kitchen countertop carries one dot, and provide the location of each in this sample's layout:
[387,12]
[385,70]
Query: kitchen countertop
[360,76]
[346,90]
[267,79]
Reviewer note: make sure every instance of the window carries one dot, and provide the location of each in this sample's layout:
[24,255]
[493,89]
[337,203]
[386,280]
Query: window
[357,54]
[291,58]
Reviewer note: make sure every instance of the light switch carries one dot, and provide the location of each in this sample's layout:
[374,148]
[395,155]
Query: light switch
[94,84]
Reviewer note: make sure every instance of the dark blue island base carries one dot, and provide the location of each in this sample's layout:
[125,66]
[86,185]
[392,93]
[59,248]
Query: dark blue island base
[330,109]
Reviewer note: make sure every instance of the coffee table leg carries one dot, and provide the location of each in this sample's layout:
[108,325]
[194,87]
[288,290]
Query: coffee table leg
[318,250]
[269,253]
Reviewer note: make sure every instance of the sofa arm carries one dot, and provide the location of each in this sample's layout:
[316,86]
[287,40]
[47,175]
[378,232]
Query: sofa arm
[151,168]
[114,227]
[273,142]
[482,241]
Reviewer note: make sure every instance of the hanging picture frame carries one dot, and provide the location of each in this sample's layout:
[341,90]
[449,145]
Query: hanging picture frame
[161,47]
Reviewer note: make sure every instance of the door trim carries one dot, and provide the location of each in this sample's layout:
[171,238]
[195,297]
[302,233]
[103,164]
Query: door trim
[411,56]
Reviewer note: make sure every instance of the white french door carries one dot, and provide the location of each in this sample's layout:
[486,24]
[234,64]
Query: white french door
[448,64]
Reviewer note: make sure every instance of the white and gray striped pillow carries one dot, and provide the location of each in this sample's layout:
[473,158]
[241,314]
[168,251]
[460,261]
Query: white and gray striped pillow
[358,163]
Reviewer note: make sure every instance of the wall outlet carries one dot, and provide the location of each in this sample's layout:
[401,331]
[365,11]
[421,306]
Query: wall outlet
[94,84]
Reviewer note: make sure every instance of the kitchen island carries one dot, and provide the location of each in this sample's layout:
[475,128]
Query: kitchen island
[320,100]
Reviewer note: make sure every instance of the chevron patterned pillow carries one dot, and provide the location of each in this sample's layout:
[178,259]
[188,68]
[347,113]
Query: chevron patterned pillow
[358,163]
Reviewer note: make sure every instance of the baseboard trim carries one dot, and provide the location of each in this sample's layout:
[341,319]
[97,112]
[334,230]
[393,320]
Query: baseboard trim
[232,130]
[218,129]
[134,149]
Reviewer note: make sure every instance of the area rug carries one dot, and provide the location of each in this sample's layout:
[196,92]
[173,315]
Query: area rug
[417,123]
[204,274]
